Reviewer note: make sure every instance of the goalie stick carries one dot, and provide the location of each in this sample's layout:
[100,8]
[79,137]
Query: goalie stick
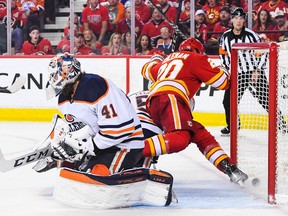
[43,151]
[17,85]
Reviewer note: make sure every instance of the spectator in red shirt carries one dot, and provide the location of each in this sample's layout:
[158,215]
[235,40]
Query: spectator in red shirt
[264,23]
[65,41]
[212,45]
[256,6]
[224,23]
[18,21]
[115,46]
[96,18]
[153,27]
[125,24]
[272,6]
[126,37]
[142,11]
[201,28]
[212,9]
[36,45]
[63,45]
[282,25]
[79,47]
[76,22]
[91,41]
[185,14]
[169,11]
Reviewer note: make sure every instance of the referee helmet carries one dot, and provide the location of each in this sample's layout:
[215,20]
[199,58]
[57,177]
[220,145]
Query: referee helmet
[238,12]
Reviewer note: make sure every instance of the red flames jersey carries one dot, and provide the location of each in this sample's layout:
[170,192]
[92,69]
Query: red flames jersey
[143,13]
[94,18]
[43,47]
[182,73]
[280,5]
[17,14]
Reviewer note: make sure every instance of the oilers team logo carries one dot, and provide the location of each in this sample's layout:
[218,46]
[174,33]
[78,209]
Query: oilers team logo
[69,118]
[73,123]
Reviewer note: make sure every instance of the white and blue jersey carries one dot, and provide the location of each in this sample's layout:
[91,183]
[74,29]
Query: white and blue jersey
[99,103]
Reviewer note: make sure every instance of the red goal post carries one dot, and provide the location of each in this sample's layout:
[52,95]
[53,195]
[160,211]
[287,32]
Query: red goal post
[259,146]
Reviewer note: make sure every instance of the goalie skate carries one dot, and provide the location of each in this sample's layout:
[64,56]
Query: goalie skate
[129,188]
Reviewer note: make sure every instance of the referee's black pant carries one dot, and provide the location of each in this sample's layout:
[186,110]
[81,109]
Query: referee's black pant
[259,90]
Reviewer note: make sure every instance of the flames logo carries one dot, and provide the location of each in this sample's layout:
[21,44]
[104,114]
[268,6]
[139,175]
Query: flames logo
[212,16]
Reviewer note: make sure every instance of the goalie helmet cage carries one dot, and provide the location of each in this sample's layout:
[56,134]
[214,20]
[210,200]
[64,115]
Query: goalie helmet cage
[260,146]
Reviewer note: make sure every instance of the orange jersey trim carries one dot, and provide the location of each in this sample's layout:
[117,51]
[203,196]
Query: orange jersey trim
[78,177]
[119,158]
[222,52]
[156,172]
[130,129]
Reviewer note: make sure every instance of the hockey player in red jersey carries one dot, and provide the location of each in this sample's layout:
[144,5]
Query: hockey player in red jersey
[206,142]
[176,78]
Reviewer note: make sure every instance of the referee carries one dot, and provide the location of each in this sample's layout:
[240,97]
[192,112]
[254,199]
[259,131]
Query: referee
[251,75]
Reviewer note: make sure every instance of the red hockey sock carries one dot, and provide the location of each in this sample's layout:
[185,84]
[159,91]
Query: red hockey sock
[166,143]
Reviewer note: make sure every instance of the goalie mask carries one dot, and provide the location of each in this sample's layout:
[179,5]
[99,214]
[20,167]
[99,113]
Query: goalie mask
[63,69]
[192,45]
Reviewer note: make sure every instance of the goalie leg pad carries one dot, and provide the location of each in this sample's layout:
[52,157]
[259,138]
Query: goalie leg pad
[126,189]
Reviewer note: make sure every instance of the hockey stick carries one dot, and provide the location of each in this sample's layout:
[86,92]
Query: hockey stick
[43,151]
[7,165]
[17,85]
[177,31]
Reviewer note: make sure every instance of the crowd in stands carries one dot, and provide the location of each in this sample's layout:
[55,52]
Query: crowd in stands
[104,26]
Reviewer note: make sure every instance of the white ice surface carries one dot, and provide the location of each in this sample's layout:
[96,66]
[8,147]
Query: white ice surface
[200,188]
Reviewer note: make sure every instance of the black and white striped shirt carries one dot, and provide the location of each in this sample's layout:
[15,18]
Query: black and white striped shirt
[248,60]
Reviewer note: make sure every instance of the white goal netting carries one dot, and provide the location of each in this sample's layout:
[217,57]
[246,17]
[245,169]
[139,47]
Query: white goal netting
[252,138]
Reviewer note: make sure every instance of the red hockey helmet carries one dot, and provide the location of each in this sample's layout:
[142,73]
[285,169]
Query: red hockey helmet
[192,45]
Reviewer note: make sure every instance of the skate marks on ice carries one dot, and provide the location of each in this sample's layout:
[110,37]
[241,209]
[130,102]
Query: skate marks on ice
[199,187]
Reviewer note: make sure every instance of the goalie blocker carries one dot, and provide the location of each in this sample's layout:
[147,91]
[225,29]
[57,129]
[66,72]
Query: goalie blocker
[129,188]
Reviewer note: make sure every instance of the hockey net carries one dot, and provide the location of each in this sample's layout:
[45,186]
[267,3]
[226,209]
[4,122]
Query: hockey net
[259,138]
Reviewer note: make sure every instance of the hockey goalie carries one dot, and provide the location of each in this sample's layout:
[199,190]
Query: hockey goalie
[98,144]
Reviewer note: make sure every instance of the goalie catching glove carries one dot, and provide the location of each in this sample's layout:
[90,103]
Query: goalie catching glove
[72,146]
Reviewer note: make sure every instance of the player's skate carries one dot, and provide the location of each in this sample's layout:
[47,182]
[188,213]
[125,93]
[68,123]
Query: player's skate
[235,174]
